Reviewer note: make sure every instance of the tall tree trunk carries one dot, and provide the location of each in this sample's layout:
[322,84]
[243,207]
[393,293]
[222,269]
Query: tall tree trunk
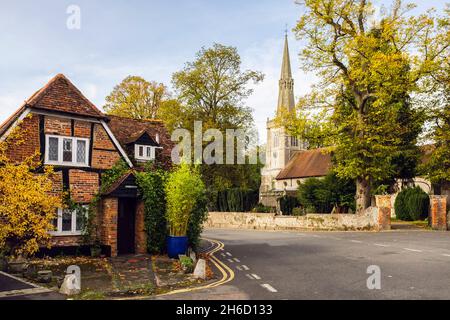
[363,196]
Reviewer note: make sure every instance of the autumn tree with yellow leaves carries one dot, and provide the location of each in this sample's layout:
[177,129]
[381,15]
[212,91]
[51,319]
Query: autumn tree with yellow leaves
[369,68]
[27,206]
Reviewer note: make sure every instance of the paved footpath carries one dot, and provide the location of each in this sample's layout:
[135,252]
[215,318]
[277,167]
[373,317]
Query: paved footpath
[331,265]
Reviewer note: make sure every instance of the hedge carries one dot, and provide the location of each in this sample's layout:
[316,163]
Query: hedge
[412,204]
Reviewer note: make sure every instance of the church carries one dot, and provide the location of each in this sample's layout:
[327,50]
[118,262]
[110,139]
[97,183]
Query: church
[288,161]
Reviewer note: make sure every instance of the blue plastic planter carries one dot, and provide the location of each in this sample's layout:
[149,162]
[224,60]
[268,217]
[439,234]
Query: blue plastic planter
[176,246]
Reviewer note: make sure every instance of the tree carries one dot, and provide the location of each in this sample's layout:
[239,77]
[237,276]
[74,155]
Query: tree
[184,189]
[27,206]
[136,98]
[438,103]
[367,67]
[322,195]
[212,89]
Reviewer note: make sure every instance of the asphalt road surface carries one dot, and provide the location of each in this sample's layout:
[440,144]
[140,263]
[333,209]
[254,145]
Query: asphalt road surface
[331,265]
[13,288]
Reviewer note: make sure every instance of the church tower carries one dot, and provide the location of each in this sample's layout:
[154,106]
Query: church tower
[280,147]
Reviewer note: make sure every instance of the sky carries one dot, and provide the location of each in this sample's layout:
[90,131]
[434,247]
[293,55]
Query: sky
[148,38]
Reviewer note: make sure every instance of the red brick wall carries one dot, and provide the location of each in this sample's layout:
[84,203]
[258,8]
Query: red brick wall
[27,143]
[65,241]
[438,212]
[83,185]
[82,129]
[58,126]
[101,138]
[108,223]
[140,234]
[102,159]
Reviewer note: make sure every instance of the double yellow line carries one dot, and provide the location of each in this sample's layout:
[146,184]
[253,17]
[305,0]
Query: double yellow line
[227,274]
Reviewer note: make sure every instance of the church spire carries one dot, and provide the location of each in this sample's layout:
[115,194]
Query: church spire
[286,84]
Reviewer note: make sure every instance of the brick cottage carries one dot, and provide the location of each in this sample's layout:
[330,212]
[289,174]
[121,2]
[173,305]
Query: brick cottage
[64,129]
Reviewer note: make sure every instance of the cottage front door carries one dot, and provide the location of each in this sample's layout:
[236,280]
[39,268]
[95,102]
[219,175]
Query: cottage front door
[126,226]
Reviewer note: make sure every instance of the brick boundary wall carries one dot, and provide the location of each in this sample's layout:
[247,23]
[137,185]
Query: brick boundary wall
[438,212]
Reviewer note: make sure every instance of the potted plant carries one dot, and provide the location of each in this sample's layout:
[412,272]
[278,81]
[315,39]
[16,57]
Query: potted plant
[183,188]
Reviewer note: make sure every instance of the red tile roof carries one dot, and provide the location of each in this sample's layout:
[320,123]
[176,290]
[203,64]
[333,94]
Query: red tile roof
[59,94]
[307,164]
[128,130]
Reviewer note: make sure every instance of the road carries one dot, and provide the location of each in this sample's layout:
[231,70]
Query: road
[13,288]
[331,265]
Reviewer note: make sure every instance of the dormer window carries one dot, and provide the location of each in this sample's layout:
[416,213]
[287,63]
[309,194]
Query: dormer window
[66,151]
[142,152]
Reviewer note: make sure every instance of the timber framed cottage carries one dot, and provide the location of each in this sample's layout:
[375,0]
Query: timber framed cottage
[68,132]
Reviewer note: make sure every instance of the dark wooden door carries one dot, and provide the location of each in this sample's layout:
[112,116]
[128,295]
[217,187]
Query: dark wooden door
[126,225]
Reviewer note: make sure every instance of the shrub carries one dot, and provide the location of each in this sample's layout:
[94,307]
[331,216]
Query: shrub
[322,195]
[236,200]
[298,212]
[151,186]
[412,204]
[263,209]
[187,264]
[198,217]
[287,204]
[184,187]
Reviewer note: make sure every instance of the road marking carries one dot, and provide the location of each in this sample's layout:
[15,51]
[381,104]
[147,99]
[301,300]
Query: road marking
[446,255]
[250,276]
[256,276]
[269,287]
[356,241]
[236,259]
[229,254]
[223,254]
[239,268]
[245,267]
[413,250]
[23,292]
[316,236]
[381,245]
[227,275]
[230,260]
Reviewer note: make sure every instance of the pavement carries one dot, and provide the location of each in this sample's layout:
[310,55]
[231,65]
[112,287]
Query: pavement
[412,264]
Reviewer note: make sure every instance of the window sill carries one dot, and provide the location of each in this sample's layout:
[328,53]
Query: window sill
[65,234]
[67,164]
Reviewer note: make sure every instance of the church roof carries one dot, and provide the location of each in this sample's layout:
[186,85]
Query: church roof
[307,164]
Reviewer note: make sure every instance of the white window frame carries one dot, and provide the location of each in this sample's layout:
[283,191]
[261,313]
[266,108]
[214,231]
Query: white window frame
[144,156]
[60,161]
[74,231]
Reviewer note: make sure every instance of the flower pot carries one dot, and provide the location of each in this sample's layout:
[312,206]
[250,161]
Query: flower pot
[17,265]
[176,246]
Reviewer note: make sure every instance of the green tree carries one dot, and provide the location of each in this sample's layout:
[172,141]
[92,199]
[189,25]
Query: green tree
[136,98]
[367,69]
[322,195]
[184,189]
[213,89]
